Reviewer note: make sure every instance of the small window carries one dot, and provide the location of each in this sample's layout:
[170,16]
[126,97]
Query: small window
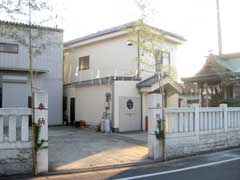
[165,58]
[8,48]
[84,63]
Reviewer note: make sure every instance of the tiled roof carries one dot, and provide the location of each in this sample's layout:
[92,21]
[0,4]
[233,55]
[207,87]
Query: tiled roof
[32,26]
[230,61]
[217,66]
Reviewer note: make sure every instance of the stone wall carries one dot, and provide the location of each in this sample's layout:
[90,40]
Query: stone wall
[15,161]
[15,142]
[195,130]
[179,146]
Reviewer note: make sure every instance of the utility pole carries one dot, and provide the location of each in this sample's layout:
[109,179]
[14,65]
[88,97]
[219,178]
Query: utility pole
[219,29]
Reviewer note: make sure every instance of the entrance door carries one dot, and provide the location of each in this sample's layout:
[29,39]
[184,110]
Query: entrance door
[72,110]
[130,114]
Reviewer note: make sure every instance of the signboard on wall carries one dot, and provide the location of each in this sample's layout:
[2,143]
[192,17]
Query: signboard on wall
[129,104]
[129,114]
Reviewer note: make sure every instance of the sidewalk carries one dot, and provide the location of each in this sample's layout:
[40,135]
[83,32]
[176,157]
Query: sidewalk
[146,169]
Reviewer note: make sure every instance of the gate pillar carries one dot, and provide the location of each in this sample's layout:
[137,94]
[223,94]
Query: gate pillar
[41,132]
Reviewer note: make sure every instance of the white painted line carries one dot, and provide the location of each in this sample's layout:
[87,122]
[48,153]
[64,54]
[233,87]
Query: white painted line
[181,169]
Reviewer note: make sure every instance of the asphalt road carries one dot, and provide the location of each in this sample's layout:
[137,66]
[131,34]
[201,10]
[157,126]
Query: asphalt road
[223,165]
[224,171]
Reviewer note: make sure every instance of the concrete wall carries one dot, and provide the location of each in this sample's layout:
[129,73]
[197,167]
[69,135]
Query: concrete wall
[122,88]
[90,102]
[47,61]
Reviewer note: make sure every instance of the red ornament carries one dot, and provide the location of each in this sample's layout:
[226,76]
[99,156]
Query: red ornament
[41,106]
[41,121]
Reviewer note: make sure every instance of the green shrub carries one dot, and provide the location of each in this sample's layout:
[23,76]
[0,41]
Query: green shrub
[231,102]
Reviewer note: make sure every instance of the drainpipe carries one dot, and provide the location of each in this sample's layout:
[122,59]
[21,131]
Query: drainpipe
[138,56]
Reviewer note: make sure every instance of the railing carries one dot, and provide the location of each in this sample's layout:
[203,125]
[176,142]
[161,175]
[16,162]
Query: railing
[14,127]
[202,119]
[180,119]
[76,75]
[233,118]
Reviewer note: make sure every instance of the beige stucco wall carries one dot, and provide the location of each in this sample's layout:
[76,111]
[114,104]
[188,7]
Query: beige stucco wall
[172,101]
[107,58]
[148,62]
[111,57]
[90,101]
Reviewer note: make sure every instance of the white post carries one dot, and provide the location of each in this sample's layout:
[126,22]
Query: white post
[225,116]
[24,128]
[196,119]
[12,128]
[41,120]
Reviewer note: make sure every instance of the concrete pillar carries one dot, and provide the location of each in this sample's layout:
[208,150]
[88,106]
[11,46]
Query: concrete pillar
[225,116]
[41,119]
[196,119]
[154,114]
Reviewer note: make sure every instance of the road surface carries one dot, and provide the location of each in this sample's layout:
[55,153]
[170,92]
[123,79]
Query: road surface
[223,165]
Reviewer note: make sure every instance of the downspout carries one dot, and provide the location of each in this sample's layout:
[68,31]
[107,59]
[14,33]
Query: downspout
[113,106]
[138,57]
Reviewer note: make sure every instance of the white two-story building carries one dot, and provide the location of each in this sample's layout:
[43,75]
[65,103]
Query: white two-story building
[47,58]
[100,73]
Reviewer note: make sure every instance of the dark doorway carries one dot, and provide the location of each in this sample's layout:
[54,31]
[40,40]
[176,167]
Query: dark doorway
[0,97]
[72,110]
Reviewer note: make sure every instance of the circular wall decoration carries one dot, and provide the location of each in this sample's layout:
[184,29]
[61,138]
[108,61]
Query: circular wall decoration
[129,104]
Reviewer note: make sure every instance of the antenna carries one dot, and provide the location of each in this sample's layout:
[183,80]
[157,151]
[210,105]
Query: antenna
[219,29]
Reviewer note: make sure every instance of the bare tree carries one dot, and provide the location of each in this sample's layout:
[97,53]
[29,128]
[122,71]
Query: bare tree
[150,40]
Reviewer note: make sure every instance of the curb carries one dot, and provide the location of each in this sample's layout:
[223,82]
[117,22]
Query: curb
[101,168]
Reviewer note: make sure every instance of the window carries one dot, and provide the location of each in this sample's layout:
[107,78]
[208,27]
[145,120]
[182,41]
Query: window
[8,48]
[84,63]
[165,58]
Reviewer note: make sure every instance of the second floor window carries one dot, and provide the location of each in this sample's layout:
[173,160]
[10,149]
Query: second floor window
[165,58]
[8,48]
[84,63]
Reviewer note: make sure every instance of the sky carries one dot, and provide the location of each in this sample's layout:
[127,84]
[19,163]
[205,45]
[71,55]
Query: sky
[193,19]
